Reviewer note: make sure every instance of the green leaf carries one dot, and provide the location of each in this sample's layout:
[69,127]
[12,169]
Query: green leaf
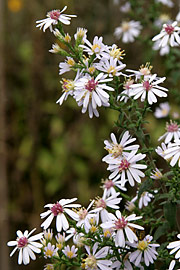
[170,213]
[161,230]
[145,186]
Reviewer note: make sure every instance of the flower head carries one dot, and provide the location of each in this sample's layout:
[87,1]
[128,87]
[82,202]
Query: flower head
[163,110]
[172,132]
[26,245]
[58,210]
[128,31]
[70,252]
[50,251]
[53,17]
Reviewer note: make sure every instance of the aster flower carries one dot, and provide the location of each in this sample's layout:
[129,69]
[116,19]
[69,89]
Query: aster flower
[148,88]
[173,132]
[128,31]
[114,52]
[81,34]
[96,259]
[162,50]
[68,87]
[143,72]
[122,226]
[110,66]
[109,186]
[66,66]
[50,251]
[101,205]
[175,247]
[124,96]
[70,252]
[59,210]
[168,3]
[163,110]
[162,19]
[26,245]
[53,17]
[97,47]
[84,216]
[91,92]
[172,153]
[121,168]
[119,150]
[144,199]
[160,150]
[126,7]
[61,239]
[156,174]
[48,234]
[146,251]
[49,266]
[130,206]
[169,35]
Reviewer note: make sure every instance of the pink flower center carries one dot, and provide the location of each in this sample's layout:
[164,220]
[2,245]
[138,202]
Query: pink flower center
[54,14]
[172,127]
[91,85]
[22,242]
[169,29]
[147,85]
[82,213]
[120,223]
[108,184]
[101,203]
[124,165]
[56,209]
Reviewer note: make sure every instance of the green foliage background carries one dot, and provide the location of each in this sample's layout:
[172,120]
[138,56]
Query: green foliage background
[55,152]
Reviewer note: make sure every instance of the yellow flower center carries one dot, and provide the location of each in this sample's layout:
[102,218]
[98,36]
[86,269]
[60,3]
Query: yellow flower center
[158,175]
[70,254]
[71,62]
[116,150]
[91,69]
[117,53]
[93,229]
[59,246]
[125,26]
[95,47]
[112,70]
[49,253]
[142,245]
[67,38]
[90,261]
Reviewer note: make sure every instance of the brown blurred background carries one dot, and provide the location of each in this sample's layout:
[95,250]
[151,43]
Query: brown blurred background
[48,152]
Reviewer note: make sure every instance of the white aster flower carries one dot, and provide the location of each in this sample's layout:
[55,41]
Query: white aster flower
[101,205]
[109,186]
[172,153]
[146,251]
[127,167]
[81,34]
[98,47]
[66,66]
[175,247]
[91,92]
[143,72]
[53,17]
[96,259]
[48,234]
[50,251]
[49,266]
[126,7]
[124,96]
[84,217]
[70,252]
[168,3]
[68,87]
[173,132]
[26,245]
[156,174]
[160,150]
[59,210]
[163,110]
[114,52]
[128,31]
[61,239]
[162,50]
[119,150]
[162,19]
[144,199]
[130,206]
[110,66]
[148,88]
[122,226]
[169,35]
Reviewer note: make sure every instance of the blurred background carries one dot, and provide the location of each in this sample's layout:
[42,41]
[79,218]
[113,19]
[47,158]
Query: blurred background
[48,152]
